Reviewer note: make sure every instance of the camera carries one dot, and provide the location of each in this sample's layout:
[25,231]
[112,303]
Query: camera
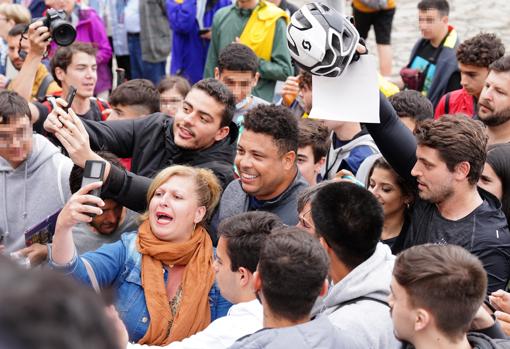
[62,32]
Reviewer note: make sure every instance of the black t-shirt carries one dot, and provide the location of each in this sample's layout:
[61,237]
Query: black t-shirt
[424,55]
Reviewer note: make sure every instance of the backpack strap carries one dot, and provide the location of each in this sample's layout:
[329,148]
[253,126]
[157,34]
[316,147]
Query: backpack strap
[41,92]
[447,103]
[362,298]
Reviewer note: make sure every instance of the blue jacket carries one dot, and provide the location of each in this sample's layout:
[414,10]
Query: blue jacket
[119,265]
[189,50]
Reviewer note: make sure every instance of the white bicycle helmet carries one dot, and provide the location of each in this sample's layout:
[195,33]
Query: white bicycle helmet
[321,40]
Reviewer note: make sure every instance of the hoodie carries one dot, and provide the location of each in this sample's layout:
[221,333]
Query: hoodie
[317,333]
[235,201]
[480,341]
[368,319]
[37,188]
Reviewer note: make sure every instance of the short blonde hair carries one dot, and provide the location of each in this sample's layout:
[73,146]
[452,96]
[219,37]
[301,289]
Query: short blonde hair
[16,12]
[208,188]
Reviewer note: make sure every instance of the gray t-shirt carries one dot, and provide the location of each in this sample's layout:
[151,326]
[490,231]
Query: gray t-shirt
[87,239]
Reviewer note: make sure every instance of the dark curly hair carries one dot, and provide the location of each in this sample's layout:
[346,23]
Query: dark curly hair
[457,139]
[305,79]
[276,121]
[221,94]
[480,50]
[238,57]
[411,103]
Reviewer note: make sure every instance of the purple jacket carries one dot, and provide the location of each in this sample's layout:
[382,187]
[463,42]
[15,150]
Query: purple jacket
[91,29]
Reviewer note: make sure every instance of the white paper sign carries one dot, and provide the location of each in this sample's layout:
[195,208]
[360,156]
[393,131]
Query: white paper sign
[354,96]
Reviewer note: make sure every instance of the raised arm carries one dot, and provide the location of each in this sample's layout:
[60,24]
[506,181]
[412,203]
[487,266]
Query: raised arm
[395,141]
[38,40]
[125,187]
[115,136]
[77,210]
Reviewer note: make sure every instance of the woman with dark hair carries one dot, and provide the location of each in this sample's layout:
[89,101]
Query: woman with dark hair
[396,197]
[496,175]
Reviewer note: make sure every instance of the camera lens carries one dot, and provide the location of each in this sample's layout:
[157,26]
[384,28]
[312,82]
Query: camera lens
[62,32]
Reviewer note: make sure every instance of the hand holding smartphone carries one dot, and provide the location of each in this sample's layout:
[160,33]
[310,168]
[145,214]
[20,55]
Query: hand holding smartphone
[93,172]
[70,97]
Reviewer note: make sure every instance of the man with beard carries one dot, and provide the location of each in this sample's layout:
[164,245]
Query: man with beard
[201,134]
[444,160]
[494,104]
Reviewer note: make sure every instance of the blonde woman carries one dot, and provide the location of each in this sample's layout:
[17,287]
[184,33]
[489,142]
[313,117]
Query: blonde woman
[163,276]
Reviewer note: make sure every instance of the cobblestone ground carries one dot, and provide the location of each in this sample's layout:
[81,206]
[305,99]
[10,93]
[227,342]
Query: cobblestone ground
[469,17]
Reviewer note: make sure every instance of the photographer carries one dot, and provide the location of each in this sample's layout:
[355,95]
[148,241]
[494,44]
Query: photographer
[91,29]
[43,83]
[73,65]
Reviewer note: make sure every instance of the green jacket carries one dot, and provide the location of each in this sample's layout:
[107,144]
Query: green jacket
[228,24]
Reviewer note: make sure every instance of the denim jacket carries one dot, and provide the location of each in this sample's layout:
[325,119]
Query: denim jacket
[118,265]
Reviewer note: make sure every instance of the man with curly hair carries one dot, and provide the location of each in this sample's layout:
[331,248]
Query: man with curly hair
[269,179]
[474,55]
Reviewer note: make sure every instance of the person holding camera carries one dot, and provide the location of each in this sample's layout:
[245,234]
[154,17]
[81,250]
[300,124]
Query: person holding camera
[89,28]
[73,65]
[43,84]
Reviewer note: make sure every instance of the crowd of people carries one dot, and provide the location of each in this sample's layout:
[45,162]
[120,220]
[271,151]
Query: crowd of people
[225,217]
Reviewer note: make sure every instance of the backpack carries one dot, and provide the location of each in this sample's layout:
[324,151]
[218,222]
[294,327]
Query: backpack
[375,4]
[97,102]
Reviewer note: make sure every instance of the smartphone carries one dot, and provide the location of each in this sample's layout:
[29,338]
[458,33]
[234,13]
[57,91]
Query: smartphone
[490,307]
[70,97]
[93,172]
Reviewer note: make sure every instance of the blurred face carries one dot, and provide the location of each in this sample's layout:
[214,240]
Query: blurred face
[247,4]
[66,5]
[228,280]
[174,210]
[171,101]
[472,78]
[494,103]
[432,24]
[306,98]
[435,181]
[197,123]
[383,184]
[491,182]
[5,25]
[108,222]
[261,167]
[16,140]
[240,83]
[81,73]
[13,44]
[307,165]
[402,313]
